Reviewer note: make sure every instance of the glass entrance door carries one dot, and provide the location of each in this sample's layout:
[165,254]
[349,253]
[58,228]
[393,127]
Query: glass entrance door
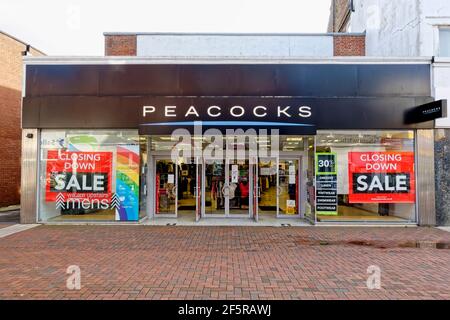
[239,187]
[267,184]
[227,188]
[177,188]
[165,179]
[288,187]
[278,187]
[214,183]
[187,189]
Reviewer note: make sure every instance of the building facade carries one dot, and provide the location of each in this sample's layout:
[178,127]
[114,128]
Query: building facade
[410,28]
[229,126]
[210,45]
[11,52]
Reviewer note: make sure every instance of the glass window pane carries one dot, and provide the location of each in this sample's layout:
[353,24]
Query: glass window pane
[375,178]
[90,175]
[444,42]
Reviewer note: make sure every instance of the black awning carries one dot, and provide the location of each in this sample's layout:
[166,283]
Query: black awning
[282,127]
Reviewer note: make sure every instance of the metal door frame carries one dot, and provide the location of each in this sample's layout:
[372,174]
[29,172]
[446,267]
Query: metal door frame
[198,189]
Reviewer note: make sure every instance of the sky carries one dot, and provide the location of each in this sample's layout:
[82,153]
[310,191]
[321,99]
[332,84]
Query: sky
[75,27]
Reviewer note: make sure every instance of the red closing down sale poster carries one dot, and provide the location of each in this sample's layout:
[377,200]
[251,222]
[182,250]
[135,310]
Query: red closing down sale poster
[78,175]
[381,177]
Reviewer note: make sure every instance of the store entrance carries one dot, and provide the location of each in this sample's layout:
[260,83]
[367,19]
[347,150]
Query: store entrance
[192,190]
[176,188]
[278,187]
[228,187]
[267,185]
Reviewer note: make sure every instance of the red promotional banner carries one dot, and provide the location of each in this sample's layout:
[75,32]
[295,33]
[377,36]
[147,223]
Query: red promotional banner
[78,175]
[381,177]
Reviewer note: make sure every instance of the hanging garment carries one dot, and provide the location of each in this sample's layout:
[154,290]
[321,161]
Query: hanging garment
[244,189]
[232,189]
[214,190]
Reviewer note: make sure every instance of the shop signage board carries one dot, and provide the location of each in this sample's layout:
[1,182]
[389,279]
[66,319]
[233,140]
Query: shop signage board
[427,112]
[326,184]
[381,177]
[159,115]
[296,98]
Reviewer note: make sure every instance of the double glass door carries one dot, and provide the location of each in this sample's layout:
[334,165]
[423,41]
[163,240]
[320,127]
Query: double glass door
[277,186]
[227,188]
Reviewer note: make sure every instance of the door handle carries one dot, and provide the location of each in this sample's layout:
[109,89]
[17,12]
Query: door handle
[279,189]
[227,189]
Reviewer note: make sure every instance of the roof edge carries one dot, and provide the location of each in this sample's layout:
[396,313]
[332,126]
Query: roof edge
[21,41]
[232,34]
[59,60]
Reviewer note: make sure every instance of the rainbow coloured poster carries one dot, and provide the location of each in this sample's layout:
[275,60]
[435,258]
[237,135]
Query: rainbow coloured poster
[127,182]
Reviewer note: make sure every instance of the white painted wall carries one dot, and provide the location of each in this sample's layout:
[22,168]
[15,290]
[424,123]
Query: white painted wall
[392,27]
[399,28]
[235,46]
[441,81]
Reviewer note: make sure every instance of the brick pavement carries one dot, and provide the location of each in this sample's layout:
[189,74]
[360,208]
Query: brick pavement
[148,262]
[6,224]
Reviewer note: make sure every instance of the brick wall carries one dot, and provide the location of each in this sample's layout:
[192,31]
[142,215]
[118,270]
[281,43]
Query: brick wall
[349,45]
[10,106]
[120,45]
[339,14]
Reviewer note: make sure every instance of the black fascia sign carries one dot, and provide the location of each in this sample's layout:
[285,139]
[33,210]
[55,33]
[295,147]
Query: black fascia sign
[427,112]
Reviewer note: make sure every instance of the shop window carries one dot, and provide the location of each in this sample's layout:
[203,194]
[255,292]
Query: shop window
[444,42]
[91,175]
[365,176]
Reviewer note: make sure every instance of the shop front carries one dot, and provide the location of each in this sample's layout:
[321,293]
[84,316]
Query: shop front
[226,186]
[322,141]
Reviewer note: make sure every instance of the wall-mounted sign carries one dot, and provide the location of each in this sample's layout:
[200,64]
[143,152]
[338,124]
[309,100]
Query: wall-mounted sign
[326,184]
[427,112]
[161,115]
[218,112]
[381,177]
[78,175]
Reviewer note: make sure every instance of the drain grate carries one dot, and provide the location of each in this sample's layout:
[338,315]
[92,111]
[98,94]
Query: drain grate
[286,225]
[171,224]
